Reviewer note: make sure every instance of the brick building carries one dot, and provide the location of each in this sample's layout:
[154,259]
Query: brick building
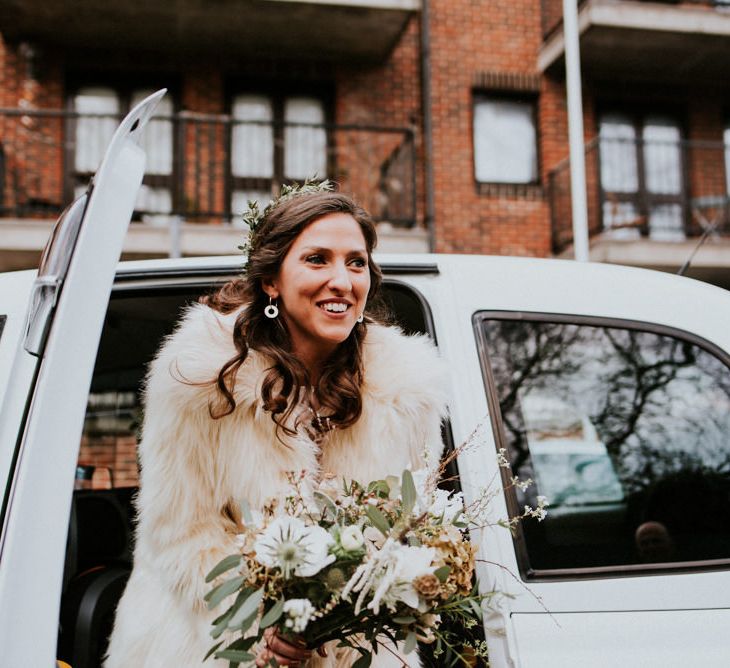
[446,118]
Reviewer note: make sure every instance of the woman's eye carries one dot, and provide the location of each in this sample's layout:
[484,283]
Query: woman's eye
[359,262]
[315,259]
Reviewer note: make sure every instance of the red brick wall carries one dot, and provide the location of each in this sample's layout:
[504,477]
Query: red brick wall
[469,39]
[32,145]
[114,459]
[706,163]
[204,178]
[382,95]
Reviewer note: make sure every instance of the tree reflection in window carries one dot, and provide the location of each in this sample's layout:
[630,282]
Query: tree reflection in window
[626,433]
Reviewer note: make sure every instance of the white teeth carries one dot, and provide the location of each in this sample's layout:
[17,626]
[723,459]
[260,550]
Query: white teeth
[335,307]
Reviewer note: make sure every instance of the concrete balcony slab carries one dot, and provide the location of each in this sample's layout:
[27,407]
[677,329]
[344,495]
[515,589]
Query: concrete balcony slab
[658,41]
[321,30]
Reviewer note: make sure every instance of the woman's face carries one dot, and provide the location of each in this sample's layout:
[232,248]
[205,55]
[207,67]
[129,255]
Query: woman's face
[322,285]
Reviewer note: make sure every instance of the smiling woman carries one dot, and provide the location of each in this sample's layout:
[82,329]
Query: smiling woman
[244,394]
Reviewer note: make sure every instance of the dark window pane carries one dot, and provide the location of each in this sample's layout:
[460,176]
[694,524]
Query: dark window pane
[626,433]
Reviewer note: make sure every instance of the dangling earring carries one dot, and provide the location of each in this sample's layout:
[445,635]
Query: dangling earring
[361,318]
[272,310]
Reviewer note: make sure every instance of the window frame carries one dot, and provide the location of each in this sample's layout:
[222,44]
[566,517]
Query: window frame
[124,87]
[527,97]
[277,95]
[642,199]
[527,573]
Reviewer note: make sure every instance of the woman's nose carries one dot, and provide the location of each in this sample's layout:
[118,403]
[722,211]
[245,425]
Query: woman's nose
[340,278]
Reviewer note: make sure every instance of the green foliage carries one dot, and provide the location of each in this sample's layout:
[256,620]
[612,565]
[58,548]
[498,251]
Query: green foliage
[254,216]
[232,561]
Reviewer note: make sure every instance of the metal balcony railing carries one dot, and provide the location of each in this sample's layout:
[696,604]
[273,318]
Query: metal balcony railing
[204,168]
[660,190]
[552,10]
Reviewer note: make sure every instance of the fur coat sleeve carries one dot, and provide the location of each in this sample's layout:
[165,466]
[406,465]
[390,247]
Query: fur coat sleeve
[183,529]
[196,470]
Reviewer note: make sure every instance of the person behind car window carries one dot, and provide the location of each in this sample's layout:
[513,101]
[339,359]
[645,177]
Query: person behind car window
[281,370]
[654,543]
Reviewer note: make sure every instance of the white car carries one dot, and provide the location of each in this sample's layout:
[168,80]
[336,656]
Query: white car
[608,386]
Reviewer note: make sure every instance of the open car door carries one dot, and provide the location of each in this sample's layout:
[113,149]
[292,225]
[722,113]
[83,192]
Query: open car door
[43,408]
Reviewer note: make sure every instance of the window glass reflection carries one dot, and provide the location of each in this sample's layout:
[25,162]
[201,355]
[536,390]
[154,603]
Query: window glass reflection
[626,433]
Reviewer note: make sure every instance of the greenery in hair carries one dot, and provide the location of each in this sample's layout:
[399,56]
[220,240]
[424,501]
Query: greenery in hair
[254,216]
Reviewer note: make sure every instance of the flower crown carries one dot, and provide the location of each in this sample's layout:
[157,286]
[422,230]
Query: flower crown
[254,216]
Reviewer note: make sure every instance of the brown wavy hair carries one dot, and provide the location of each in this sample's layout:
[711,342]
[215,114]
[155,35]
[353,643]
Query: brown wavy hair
[338,386]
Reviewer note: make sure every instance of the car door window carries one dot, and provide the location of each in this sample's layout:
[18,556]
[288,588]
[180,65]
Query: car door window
[624,428]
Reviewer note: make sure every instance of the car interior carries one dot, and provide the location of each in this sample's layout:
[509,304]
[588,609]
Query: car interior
[101,525]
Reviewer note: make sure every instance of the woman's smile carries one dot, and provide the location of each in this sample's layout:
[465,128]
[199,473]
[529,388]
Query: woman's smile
[334,307]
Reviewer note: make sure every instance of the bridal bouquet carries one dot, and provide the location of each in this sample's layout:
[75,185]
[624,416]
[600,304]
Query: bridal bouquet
[354,563]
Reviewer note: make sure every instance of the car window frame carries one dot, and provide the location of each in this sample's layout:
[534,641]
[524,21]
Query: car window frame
[527,573]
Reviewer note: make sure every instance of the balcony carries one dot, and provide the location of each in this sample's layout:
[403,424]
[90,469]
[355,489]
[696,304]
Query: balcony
[664,40]
[321,30]
[649,202]
[201,171]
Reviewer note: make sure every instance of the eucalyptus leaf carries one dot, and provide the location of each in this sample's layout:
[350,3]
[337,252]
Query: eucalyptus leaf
[324,501]
[217,594]
[272,614]
[221,625]
[404,620]
[247,623]
[364,661]
[243,643]
[380,487]
[236,655]
[408,492]
[442,573]
[380,521]
[212,650]
[232,561]
[410,643]
[248,607]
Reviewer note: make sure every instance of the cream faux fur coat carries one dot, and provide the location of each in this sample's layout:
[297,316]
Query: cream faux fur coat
[194,467]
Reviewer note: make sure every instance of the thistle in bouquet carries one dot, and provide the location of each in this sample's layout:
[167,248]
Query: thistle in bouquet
[362,564]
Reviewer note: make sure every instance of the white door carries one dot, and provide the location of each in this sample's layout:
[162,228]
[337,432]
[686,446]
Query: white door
[609,388]
[43,410]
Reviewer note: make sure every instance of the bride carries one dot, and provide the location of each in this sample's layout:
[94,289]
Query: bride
[282,370]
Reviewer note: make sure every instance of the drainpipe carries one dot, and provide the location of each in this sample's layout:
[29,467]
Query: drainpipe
[575,131]
[427,123]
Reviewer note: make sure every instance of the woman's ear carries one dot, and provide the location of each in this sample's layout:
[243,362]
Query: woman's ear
[269,287]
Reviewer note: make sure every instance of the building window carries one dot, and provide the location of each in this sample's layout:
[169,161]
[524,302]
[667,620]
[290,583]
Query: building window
[642,176]
[624,428]
[505,140]
[100,109]
[275,140]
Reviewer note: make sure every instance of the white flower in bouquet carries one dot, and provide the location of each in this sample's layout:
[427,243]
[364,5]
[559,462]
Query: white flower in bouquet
[388,575]
[298,611]
[351,538]
[289,544]
[445,504]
